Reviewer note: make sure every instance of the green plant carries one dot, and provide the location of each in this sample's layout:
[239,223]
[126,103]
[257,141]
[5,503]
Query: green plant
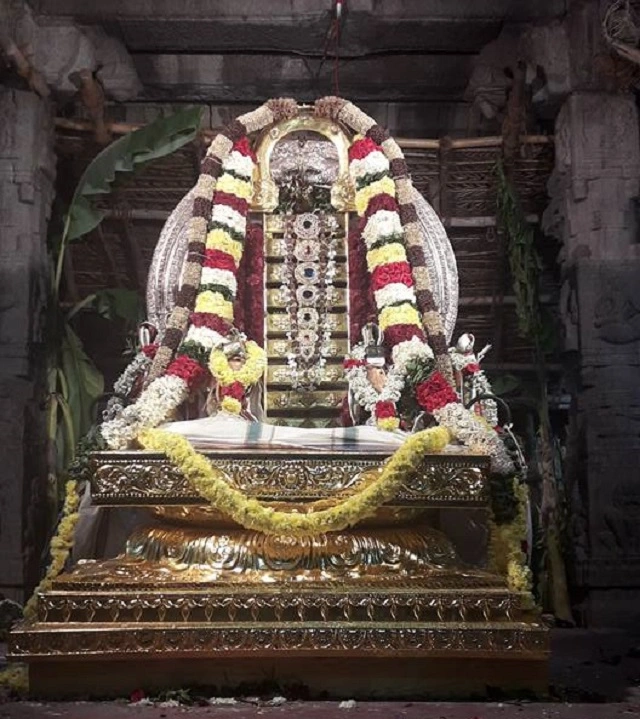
[74,384]
[525,266]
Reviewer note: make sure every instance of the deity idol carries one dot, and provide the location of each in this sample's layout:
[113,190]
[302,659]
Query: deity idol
[259,281]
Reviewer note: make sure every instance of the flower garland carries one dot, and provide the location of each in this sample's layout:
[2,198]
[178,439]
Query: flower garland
[154,406]
[60,548]
[351,116]
[212,318]
[123,387]
[211,484]
[404,353]
[436,396]
[393,284]
[236,187]
[381,230]
[233,384]
[506,547]
[381,405]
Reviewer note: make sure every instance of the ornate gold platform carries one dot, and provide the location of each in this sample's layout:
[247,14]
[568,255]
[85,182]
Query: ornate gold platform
[203,601]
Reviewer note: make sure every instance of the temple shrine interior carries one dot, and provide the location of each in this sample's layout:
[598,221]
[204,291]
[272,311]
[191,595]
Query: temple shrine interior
[305,321]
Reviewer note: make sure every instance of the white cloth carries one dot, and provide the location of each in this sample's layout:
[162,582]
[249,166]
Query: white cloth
[225,430]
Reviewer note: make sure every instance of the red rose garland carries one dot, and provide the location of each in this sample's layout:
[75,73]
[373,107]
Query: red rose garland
[236,390]
[435,393]
[192,372]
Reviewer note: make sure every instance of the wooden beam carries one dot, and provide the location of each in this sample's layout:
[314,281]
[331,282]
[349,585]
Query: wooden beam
[122,128]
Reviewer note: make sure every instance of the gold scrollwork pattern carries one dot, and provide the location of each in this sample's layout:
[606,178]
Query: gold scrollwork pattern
[267,606]
[354,554]
[256,640]
[141,478]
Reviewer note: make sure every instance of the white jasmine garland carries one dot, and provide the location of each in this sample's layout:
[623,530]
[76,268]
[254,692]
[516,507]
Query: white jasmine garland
[384,223]
[465,426]
[395,292]
[154,406]
[216,276]
[406,351]
[124,385]
[226,215]
[239,163]
[205,336]
[374,163]
[365,394]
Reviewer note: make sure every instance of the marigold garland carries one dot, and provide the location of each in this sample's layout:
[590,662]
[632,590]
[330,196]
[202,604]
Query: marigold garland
[60,548]
[506,552]
[211,484]
[247,375]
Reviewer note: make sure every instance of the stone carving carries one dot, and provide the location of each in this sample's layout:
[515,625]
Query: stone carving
[58,49]
[617,316]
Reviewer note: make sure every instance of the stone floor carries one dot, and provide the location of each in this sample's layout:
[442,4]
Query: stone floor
[594,675]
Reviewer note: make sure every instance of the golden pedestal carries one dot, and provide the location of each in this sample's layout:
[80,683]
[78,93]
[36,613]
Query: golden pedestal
[384,609]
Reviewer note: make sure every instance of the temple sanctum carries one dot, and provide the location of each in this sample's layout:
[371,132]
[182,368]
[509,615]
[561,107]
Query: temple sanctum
[305,315]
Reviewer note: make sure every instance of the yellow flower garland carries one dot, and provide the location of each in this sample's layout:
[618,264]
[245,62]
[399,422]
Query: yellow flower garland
[388,424]
[247,375]
[404,314]
[231,185]
[211,484]
[386,186]
[506,556]
[215,303]
[61,546]
[231,405]
[393,252]
[221,240]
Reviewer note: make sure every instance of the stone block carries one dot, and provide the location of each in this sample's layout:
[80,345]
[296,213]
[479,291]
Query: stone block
[27,168]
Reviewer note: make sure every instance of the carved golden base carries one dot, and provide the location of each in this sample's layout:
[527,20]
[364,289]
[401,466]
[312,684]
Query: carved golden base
[126,607]
[202,599]
[355,554]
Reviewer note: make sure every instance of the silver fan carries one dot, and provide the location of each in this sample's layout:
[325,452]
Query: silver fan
[441,263]
[167,265]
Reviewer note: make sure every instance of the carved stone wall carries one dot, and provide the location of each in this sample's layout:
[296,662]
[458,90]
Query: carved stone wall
[594,191]
[27,169]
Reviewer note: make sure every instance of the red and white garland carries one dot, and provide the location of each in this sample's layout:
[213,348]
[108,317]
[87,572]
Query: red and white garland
[212,318]
[381,230]
[394,292]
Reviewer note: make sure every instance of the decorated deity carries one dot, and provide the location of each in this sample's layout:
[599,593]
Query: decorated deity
[400,372]
[236,368]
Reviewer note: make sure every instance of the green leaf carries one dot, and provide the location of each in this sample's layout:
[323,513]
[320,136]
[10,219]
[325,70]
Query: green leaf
[158,139]
[52,417]
[119,304]
[69,431]
[85,382]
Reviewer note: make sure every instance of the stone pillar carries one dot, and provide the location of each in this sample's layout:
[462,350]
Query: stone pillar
[595,190]
[27,170]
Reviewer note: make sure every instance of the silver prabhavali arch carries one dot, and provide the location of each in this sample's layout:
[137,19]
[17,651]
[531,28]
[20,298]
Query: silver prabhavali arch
[171,251]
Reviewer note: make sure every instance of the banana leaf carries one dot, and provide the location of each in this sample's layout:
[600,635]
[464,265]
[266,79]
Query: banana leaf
[158,139]
[85,383]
